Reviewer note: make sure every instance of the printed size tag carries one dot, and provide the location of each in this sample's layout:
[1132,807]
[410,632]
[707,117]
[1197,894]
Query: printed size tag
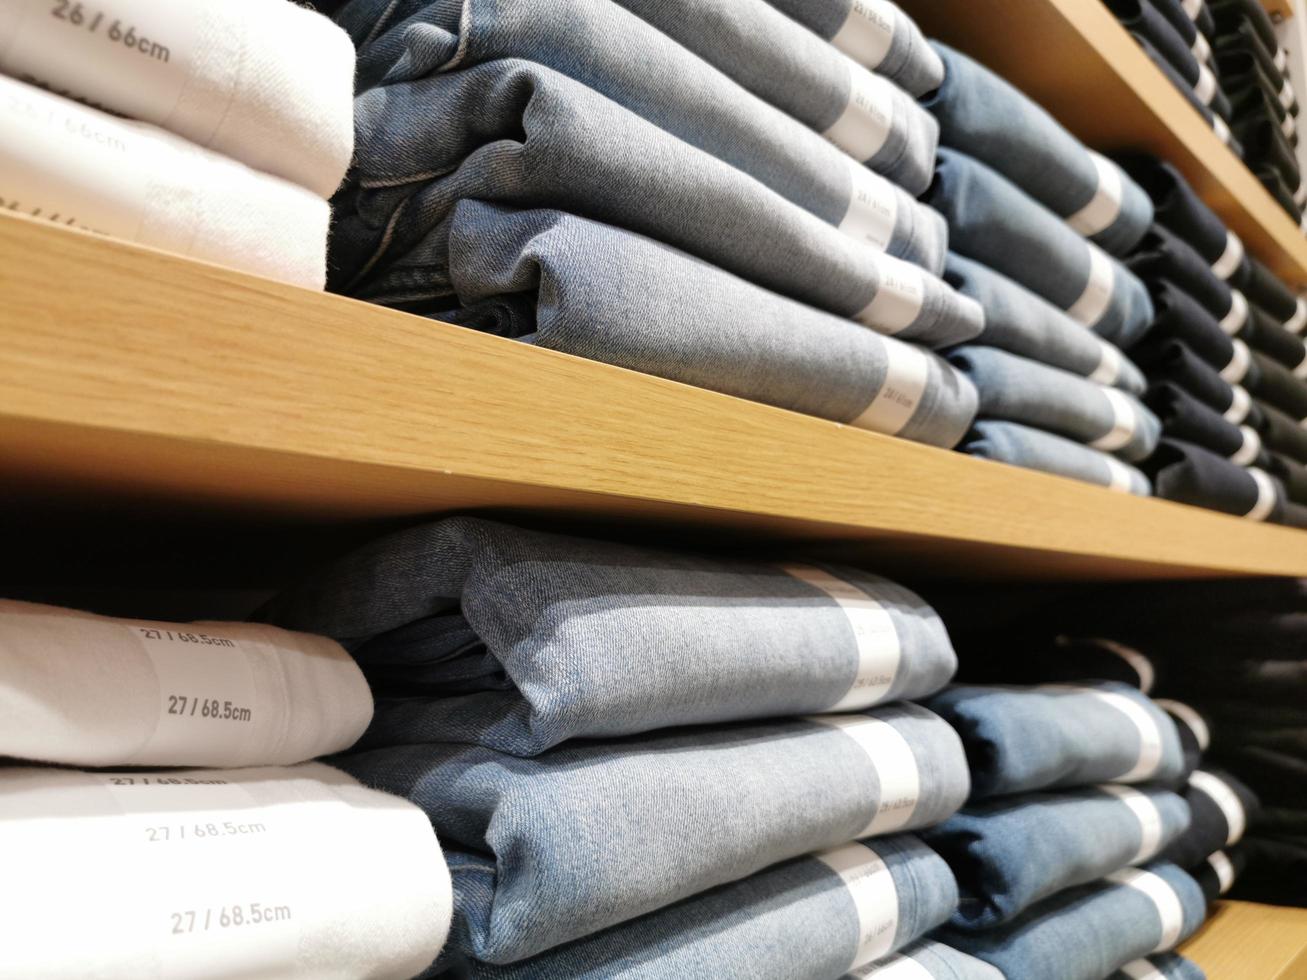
[906,372]
[873,208]
[867,32]
[899,298]
[895,765]
[864,125]
[1170,912]
[1146,812]
[1097,295]
[1226,799]
[1123,422]
[875,898]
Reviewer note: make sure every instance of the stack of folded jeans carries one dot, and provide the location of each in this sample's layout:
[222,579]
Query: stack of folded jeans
[761,215]
[558,705]
[349,881]
[1034,219]
[194,129]
[1225,360]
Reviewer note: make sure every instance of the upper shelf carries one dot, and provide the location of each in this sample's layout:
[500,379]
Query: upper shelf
[131,375]
[1283,9]
[1073,58]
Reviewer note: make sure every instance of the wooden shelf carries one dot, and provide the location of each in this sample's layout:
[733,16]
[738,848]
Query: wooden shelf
[1245,941]
[1279,9]
[131,375]
[1073,58]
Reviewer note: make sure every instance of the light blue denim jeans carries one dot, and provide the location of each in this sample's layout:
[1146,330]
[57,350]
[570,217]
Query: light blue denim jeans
[1015,389]
[596,833]
[1021,739]
[585,288]
[939,962]
[989,119]
[1010,853]
[520,640]
[1034,449]
[994,222]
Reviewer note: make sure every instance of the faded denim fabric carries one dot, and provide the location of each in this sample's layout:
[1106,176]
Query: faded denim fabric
[596,833]
[994,222]
[1016,389]
[516,133]
[569,284]
[519,640]
[1020,322]
[1034,449]
[1020,739]
[1088,932]
[875,33]
[939,962]
[1010,853]
[793,921]
[989,119]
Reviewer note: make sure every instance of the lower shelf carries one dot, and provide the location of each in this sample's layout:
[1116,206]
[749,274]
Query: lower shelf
[1245,941]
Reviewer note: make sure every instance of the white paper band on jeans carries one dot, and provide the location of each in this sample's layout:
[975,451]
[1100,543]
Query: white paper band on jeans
[1201,49]
[895,766]
[1289,127]
[1240,361]
[907,369]
[1301,370]
[1238,315]
[1109,364]
[1149,817]
[864,125]
[1124,421]
[1118,477]
[1169,910]
[1286,95]
[875,898]
[1105,206]
[1150,736]
[1228,264]
[898,299]
[1192,8]
[1296,322]
[1097,296]
[1265,495]
[1137,661]
[1142,969]
[1240,404]
[1247,454]
[1281,59]
[1221,129]
[1236,821]
[1192,719]
[879,650]
[1205,87]
[897,967]
[867,32]
[873,208]
[1300,195]
[1220,863]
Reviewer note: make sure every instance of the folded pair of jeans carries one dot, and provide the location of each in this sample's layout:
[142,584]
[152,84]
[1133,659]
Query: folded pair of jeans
[1262,333]
[1035,449]
[989,119]
[1293,475]
[78,689]
[1186,418]
[1282,434]
[520,640]
[1189,474]
[1016,389]
[539,865]
[1040,657]
[1218,872]
[350,882]
[1268,291]
[803,919]
[1172,361]
[517,133]
[1165,255]
[1273,383]
[1208,110]
[1222,808]
[1090,931]
[994,222]
[1020,739]
[874,33]
[1178,316]
[1141,17]
[1021,322]
[581,287]
[1011,853]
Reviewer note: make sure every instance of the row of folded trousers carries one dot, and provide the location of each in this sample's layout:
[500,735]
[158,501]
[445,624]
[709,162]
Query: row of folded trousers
[637,762]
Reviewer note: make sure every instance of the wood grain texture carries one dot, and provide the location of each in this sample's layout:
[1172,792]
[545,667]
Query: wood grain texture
[128,374]
[1246,941]
[1073,58]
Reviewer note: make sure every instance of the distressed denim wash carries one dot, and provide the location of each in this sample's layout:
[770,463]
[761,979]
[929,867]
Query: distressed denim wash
[595,833]
[1026,738]
[803,919]
[1020,322]
[874,33]
[986,117]
[993,221]
[928,960]
[1035,449]
[1010,853]
[1189,474]
[1016,389]
[1090,931]
[539,139]
[519,640]
[581,287]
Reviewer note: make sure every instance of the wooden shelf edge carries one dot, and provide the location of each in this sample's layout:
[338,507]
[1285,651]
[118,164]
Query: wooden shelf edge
[1279,9]
[1248,941]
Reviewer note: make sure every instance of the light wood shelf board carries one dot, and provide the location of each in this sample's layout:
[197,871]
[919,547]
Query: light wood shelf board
[1280,9]
[130,374]
[1247,941]
[1073,58]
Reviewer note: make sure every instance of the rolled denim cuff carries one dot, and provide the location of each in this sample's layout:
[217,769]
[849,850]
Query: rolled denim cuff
[1034,449]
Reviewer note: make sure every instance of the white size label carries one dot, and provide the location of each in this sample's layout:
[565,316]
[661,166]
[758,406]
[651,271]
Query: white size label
[1247,453]
[1149,758]
[1240,404]
[867,33]
[907,369]
[877,640]
[1191,718]
[132,57]
[1281,59]
[1240,361]
[865,124]
[895,766]
[1266,495]
[1286,95]
[1296,322]
[1124,421]
[899,298]
[1109,364]
[1228,264]
[1289,127]
[1105,206]
[1140,664]
[1201,49]
[1300,195]
[1236,820]
[1220,863]
[1192,8]
[1170,912]
[1118,475]
[1149,817]
[873,208]
[1205,88]
[1142,969]
[1097,294]
[1234,321]
[894,967]
[1221,129]
[875,898]
[1301,370]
